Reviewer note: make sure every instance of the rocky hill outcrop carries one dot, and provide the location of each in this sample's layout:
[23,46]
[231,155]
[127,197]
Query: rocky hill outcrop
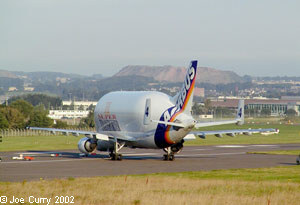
[176,74]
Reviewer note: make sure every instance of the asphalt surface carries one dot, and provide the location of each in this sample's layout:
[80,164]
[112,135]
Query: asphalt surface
[139,161]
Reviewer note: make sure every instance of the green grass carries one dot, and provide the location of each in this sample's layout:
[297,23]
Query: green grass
[51,142]
[280,152]
[278,185]
[284,173]
[287,134]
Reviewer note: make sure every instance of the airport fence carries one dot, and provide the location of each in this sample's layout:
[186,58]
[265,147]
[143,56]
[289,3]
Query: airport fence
[27,132]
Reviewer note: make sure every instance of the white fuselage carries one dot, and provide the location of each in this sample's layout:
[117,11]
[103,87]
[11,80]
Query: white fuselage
[122,113]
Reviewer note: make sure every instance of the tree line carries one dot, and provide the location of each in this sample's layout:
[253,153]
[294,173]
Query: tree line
[32,111]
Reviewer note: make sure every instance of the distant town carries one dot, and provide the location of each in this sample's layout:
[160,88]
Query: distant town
[216,92]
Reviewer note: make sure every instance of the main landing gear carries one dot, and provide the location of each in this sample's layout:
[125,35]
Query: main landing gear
[170,155]
[114,153]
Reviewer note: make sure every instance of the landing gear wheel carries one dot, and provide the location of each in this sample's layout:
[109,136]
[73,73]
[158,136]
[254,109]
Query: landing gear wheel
[298,160]
[114,156]
[114,153]
[170,157]
[119,157]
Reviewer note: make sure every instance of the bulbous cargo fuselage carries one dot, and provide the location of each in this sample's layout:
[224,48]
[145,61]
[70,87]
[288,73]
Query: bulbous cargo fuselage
[123,112]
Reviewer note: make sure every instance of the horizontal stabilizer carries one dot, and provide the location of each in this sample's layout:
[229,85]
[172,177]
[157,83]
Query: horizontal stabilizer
[232,133]
[239,118]
[169,123]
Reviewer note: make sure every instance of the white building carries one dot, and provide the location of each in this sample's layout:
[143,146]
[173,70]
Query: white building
[78,104]
[67,114]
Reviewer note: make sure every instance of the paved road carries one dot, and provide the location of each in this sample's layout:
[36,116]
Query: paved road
[139,161]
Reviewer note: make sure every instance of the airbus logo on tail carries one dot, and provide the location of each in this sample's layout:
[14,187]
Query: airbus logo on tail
[187,85]
[240,113]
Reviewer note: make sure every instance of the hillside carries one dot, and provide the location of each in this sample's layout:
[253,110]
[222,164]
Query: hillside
[7,74]
[176,74]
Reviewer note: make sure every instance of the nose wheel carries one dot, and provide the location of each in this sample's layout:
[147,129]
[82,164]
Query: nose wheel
[169,156]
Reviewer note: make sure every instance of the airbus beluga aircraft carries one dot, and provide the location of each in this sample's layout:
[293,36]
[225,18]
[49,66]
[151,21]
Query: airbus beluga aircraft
[149,119]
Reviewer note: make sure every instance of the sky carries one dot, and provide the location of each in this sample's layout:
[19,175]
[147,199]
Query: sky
[254,37]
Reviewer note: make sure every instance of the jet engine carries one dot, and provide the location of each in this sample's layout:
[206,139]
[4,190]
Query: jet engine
[86,145]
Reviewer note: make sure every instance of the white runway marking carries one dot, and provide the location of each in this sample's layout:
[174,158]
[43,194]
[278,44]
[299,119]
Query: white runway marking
[46,161]
[214,154]
[231,146]
[191,150]
[264,145]
[37,153]
[142,154]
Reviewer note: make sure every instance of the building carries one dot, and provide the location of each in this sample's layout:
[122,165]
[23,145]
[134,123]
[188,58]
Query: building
[11,89]
[82,105]
[67,114]
[199,92]
[30,89]
[277,107]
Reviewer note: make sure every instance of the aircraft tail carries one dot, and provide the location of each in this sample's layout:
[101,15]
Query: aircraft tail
[184,98]
[240,116]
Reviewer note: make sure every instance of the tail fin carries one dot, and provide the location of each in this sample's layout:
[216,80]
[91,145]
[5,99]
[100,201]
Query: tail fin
[240,116]
[184,97]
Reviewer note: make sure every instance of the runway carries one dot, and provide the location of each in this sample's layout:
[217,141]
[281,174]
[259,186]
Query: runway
[139,161]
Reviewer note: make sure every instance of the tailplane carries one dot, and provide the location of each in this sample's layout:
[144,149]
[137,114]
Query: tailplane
[184,98]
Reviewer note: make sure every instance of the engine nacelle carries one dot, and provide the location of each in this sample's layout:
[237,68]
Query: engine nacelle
[86,145]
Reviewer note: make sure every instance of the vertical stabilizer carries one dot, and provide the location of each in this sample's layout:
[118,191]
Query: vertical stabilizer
[240,116]
[184,98]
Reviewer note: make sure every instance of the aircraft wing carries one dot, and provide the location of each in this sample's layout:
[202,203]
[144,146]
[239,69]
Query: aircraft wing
[232,133]
[89,134]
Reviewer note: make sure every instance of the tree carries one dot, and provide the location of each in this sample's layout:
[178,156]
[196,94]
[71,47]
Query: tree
[198,109]
[14,117]
[23,106]
[91,107]
[60,124]
[207,105]
[39,118]
[265,112]
[81,107]
[3,121]
[88,121]
[291,113]
[37,99]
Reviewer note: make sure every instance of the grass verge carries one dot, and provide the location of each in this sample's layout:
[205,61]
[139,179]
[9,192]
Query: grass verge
[288,134]
[280,185]
[51,142]
[280,152]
